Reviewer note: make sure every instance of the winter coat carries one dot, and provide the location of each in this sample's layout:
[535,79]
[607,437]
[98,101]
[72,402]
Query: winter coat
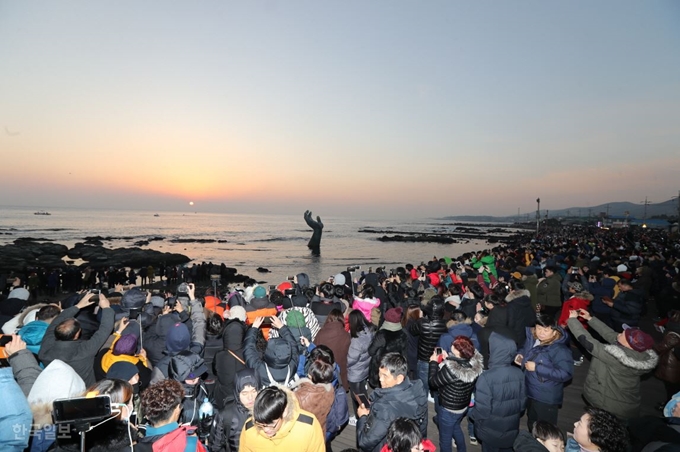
[525,442]
[226,364]
[411,348]
[280,357]
[239,413]
[613,381]
[384,342]
[338,415]
[669,364]
[32,333]
[154,335]
[406,399]
[549,291]
[79,354]
[428,331]
[500,395]
[531,282]
[334,336]
[366,305]
[485,333]
[578,301]
[521,314]
[16,420]
[315,398]
[455,379]
[554,367]
[260,307]
[321,307]
[358,358]
[300,432]
[490,262]
[627,308]
[455,330]
[604,288]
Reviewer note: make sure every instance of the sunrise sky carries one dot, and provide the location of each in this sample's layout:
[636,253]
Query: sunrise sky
[380,108]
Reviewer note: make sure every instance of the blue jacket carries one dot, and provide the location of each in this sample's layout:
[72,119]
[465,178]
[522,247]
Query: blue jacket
[16,419]
[32,333]
[461,329]
[500,395]
[554,367]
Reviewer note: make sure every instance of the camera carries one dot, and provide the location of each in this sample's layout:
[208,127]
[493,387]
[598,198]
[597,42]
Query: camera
[574,270]
[289,291]
[134,313]
[95,291]
[354,268]
[171,302]
[291,278]
[272,288]
[81,409]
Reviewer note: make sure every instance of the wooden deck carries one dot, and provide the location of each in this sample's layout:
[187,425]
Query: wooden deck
[653,393]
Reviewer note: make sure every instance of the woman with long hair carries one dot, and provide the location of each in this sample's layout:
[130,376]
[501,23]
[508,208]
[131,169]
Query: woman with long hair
[413,313]
[358,359]
[454,377]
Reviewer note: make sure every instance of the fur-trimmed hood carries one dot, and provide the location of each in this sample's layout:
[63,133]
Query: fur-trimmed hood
[517,294]
[583,295]
[467,374]
[642,361]
[328,387]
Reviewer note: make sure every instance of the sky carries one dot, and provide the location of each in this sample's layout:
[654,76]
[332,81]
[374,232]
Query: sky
[359,108]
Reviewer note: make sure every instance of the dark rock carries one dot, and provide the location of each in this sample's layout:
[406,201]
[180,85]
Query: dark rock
[155,239]
[124,257]
[417,238]
[94,242]
[193,240]
[32,239]
[141,243]
[221,241]
[263,270]
[24,253]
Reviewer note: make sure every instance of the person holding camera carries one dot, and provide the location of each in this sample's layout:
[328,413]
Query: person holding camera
[62,338]
[280,361]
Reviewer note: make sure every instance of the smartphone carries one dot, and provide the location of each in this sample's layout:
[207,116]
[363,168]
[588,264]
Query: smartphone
[291,278]
[94,291]
[5,339]
[81,409]
[438,350]
[363,400]
[267,321]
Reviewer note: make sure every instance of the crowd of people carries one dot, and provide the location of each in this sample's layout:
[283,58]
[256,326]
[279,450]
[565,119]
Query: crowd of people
[489,337]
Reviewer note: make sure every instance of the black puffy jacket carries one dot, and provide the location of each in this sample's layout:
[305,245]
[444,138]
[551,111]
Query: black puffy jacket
[455,379]
[428,332]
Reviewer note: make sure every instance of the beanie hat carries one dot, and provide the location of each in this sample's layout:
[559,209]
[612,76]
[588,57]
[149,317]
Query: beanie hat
[178,338]
[122,370]
[295,319]
[20,293]
[621,268]
[637,339]
[237,312]
[516,275]
[133,298]
[259,292]
[577,286]
[126,345]
[339,279]
[393,315]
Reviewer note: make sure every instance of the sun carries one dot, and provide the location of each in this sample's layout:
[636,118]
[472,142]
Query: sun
[191,203]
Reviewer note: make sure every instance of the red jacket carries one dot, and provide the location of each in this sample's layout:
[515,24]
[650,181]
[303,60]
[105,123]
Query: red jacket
[428,446]
[572,304]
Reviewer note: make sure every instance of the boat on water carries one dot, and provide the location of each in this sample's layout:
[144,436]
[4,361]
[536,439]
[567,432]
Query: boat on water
[41,212]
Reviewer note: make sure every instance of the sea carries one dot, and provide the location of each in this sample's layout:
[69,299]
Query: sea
[275,242]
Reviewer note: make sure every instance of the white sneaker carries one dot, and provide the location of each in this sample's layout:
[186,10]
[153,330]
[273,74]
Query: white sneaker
[352,421]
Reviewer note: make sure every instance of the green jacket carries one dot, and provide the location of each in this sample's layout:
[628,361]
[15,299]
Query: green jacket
[490,262]
[549,291]
[530,282]
[613,381]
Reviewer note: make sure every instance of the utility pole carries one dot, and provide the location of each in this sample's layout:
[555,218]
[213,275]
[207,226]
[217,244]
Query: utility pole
[538,213]
[644,219]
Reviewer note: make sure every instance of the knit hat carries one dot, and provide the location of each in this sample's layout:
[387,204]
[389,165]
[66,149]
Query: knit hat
[295,319]
[20,293]
[237,312]
[178,338]
[133,298]
[339,279]
[577,286]
[259,292]
[621,268]
[393,315]
[126,345]
[637,339]
[122,370]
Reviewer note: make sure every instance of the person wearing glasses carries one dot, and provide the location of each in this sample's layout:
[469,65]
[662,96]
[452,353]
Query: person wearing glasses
[278,423]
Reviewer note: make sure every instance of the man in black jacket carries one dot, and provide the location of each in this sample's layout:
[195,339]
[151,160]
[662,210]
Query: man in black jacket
[398,396]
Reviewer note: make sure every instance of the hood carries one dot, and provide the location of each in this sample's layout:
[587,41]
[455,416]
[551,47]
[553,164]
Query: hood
[515,294]
[19,293]
[670,406]
[502,350]
[236,299]
[278,353]
[563,337]
[243,378]
[527,443]
[44,391]
[583,296]
[460,329]
[311,387]
[32,333]
[640,361]
[233,334]
[28,315]
[302,280]
[466,370]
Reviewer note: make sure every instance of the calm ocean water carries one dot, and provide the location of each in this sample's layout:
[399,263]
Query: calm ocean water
[276,242]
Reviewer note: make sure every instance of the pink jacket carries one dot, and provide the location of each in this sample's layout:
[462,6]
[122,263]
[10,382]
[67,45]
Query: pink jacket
[365,305]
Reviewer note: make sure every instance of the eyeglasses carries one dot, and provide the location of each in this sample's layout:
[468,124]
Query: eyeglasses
[269,427]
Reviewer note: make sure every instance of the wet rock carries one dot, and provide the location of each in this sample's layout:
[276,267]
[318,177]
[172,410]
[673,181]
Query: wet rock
[124,257]
[27,253]
[417,238]
[193,240]
[263,270]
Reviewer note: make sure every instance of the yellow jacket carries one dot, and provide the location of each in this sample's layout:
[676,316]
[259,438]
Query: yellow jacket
[109,358]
